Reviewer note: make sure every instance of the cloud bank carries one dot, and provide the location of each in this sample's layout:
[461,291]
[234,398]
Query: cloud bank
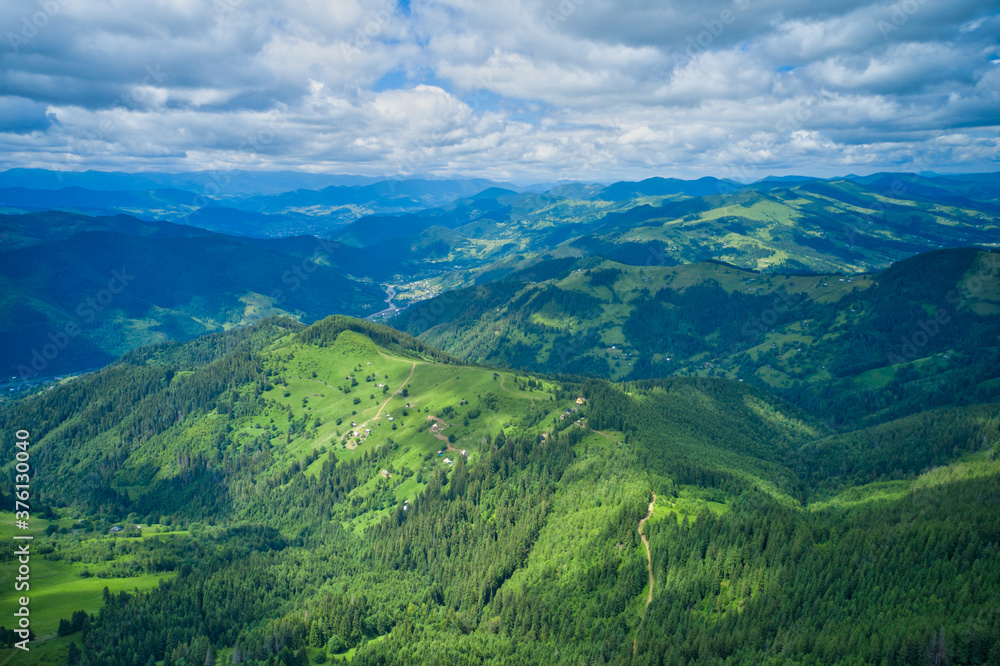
[516,89]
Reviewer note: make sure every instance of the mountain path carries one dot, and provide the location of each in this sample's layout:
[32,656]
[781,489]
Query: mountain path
[401,387]
[649,568]
[512,393]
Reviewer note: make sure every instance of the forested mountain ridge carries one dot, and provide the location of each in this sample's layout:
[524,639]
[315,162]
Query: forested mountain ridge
[807,226]
[342,249]
[787,225]
[849,346]
[79,292]
[836,225]
[343,489]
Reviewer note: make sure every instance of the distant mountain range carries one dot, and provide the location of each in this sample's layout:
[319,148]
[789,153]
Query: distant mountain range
[205,264]
[203,182]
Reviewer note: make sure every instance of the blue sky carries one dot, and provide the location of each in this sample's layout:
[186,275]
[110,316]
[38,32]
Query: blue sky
[516,90]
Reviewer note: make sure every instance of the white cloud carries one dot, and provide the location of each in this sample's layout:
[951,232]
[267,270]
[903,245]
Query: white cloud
[526,88]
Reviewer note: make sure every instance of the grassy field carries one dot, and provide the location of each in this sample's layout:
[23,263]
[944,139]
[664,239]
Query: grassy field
[57,589]
[687,505]
[381,399]
[51,652]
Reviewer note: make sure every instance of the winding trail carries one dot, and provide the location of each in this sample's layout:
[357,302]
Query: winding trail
[514,394]
[401,387]
[649,568]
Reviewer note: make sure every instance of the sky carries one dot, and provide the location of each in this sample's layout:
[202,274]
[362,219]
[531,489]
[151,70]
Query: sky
[515,90]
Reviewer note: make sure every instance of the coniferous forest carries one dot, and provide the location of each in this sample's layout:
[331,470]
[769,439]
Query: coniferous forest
[243,498]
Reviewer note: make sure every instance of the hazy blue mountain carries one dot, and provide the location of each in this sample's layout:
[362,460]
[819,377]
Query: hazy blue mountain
[208,183]
[146,202]
[26,229]
[96,290]
[666,186]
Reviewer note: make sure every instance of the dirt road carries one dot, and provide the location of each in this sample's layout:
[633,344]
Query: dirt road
[401,387]
[645,542]
[649,568]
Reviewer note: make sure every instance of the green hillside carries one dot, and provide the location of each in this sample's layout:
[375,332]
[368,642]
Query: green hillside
[819,226]
[854,348]
[293,494]
[807,226]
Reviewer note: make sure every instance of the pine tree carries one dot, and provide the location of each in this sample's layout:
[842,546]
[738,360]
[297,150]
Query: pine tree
[74,655]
